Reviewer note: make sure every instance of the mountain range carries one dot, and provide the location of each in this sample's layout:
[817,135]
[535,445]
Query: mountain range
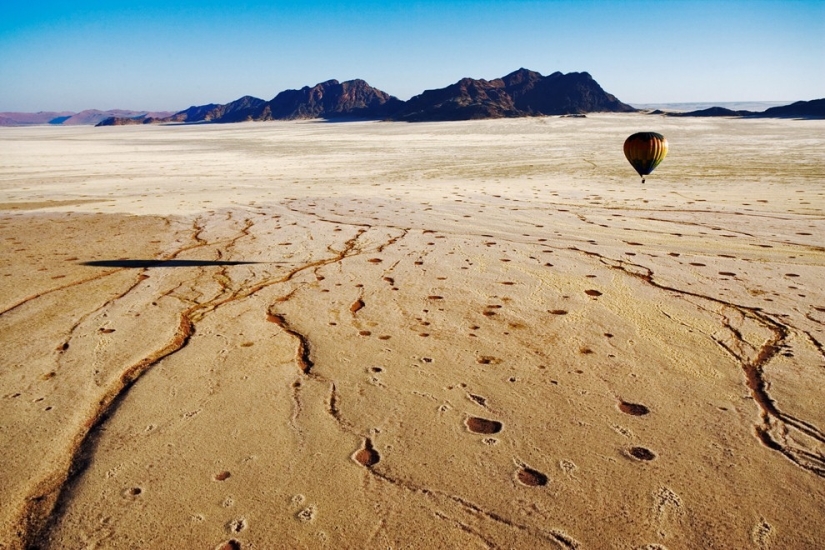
[518,94]
[521,93]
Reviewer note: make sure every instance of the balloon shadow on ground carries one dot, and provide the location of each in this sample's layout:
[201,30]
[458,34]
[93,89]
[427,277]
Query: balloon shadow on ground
[160,263]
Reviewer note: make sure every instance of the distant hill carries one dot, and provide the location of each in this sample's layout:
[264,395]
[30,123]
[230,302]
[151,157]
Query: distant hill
[801,109]
[696,106]
[814,109]
[712,112]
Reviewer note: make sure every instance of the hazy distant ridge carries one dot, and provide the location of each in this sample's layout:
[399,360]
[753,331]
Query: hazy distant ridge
[69,118]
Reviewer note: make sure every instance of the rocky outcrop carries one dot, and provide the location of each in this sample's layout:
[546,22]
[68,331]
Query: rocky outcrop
[245,108]
[560,94]
[126,121]
[332,99]
[467,99]
[521,93]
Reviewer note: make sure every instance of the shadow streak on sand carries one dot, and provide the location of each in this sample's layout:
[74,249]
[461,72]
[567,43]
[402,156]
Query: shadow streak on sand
[160,263]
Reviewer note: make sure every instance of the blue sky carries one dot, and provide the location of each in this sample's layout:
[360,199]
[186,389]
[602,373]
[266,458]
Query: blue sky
[169,55]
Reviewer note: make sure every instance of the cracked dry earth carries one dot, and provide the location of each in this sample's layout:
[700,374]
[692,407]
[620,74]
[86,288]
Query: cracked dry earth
[376,335]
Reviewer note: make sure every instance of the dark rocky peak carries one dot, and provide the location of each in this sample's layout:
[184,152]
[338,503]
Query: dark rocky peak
[245,102]
[244,108]
[333,99]
[520,77]
[520,93]
[327,84]
[465,100]
[195,113]
[561,94]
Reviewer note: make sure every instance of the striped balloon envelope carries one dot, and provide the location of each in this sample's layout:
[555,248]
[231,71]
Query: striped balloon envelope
[645,151]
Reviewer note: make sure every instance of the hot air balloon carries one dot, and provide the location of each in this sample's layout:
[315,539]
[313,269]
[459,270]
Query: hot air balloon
[644,151]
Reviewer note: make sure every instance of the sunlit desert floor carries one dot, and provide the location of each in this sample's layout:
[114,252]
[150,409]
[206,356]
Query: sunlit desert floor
[380,335]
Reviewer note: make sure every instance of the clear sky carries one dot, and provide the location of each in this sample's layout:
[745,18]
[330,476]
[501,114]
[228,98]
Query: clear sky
[168,55]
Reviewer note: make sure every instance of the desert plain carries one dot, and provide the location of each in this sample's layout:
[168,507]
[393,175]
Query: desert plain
[483,334]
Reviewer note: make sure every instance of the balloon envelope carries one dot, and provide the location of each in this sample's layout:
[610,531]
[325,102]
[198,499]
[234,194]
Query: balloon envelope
[645,150]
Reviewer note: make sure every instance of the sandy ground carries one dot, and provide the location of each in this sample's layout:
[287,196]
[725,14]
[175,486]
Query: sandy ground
[376,335]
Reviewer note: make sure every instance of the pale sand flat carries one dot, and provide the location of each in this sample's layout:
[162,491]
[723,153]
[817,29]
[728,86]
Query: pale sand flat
[461,335]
